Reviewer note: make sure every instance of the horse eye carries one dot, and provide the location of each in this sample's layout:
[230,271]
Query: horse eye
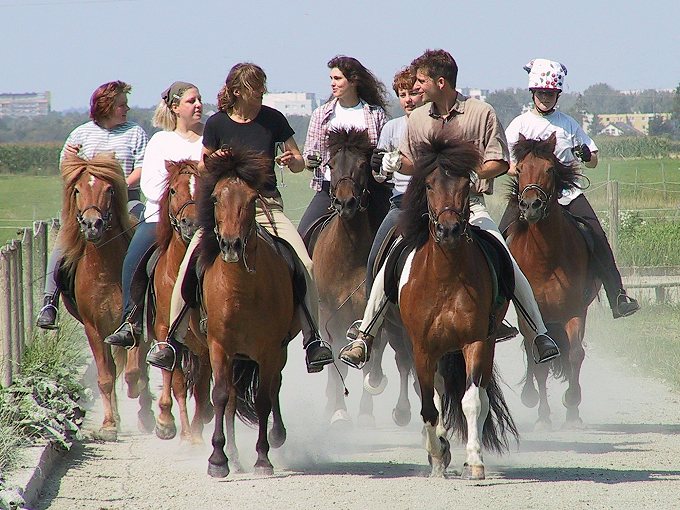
[173,191]
[213,199]
[77,191]
[428,187]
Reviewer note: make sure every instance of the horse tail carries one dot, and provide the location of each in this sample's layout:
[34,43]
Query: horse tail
[246,382]
[498,425]
[559,367]
[119,359]
[191,366]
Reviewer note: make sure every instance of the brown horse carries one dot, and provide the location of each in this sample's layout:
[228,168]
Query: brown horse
[340,254]
[554,257]
[448,308]
[248,298]
[178,222]
[95,234]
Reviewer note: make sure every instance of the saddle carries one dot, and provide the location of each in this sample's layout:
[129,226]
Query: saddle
[497,258]
[192,285]
[310,236]
[66,283]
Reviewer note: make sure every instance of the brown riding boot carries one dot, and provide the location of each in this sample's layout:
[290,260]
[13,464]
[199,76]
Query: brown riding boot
[357,353]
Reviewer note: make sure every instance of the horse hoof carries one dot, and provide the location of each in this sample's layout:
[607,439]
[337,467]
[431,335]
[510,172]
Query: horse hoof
[166,432]
[529,396]
[263,471]
[341,419]
[401,417]
[473,472]
[543,425]
[217,471]
[110,435]
[573,424]
[146,423]
[133,391]
[375,390]
[366,421]
[277,438]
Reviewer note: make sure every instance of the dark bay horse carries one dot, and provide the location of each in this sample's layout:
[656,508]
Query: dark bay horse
[553,255]
[448,308]
[178,222]
[340,254]
[249,302]
[95,234]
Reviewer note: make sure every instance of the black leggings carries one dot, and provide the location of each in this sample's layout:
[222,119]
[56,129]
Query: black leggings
[605,265]
[319,205]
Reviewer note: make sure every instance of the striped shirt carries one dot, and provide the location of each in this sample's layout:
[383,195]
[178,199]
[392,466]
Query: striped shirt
[127,141]
[317,134]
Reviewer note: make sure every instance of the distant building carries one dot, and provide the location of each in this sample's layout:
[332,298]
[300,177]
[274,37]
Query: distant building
[292,103]
[474,93]
[620,129]
[639,121]
[27,104]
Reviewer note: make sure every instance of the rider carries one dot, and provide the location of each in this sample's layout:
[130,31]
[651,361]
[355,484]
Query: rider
[178,114]
[386,161]
[436,72]
[546,82]
[357,101]
[108,131]
[243,120]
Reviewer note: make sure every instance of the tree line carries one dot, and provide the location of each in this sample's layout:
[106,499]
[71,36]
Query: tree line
[596,99]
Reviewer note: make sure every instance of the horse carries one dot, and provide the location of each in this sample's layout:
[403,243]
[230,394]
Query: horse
[247,295]
[554,256]
[340,253]
[178,222]
[95,234]
[447,304]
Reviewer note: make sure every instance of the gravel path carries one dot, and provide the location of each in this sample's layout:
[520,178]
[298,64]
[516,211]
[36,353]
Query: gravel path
[627,454]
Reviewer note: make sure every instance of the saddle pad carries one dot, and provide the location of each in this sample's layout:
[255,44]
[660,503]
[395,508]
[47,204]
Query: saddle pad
[65,279]
[312,233]
[500,264]
[394,266]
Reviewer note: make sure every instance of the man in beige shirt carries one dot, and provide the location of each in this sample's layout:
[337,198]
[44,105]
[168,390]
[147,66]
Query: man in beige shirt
[436,73]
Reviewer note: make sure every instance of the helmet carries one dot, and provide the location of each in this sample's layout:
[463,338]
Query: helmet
[545,74]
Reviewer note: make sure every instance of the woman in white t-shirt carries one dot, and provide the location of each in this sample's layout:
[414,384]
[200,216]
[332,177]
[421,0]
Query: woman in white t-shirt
[178,114]
[546,80]
[358,100]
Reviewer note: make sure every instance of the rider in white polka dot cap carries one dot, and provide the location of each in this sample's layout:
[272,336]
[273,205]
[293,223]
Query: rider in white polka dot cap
[545,74]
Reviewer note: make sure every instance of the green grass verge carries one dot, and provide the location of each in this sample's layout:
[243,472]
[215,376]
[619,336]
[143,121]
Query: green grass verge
[648,342]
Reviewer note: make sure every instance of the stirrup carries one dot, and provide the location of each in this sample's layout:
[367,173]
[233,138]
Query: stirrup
[135,342]
[56,316]
[354,343]
[156,348]
[353,331]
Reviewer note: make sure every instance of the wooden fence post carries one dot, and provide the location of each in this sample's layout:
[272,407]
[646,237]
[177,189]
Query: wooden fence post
[613,200]
[39,260]
[5,320]
[17,311]
[27,275]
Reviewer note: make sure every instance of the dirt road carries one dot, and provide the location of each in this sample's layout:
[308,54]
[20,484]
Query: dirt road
[627,456]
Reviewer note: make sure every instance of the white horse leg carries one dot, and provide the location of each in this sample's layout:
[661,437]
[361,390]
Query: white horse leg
[438,392]
[475,405]
[438,450]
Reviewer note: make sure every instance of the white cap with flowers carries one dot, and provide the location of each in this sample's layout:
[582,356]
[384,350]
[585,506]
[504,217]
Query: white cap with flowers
[546,74]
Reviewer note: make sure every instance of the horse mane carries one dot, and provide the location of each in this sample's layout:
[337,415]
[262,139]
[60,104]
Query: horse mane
[252,167]
[103,166]
[566,175]
[164,230]
[357,141]
[443,151]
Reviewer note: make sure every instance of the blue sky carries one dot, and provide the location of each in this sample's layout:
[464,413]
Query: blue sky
[69,47]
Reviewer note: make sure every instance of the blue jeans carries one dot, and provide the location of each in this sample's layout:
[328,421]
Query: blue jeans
[145,236]
[390,221]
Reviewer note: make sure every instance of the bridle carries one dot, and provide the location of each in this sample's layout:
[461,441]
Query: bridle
[463,215]
[361,198]
[105,216]
[174,218]
[546,198]
[252,230]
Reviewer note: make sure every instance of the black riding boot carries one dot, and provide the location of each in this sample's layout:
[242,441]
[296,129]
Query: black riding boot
[318,353]
[47,317]
[128,332]
[166,358]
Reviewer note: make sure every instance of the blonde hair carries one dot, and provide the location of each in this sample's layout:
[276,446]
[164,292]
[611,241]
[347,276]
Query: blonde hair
[163,116]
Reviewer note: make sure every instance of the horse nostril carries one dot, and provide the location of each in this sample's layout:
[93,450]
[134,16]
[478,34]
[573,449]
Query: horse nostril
[536,205]
[97,224]
[236,245]
[351,203]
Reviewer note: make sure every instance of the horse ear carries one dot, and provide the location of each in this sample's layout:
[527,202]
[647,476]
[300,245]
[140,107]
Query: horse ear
[168,165]
[552,141]
[522,138]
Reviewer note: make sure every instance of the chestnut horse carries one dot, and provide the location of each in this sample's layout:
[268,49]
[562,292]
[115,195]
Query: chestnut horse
[340,254]
[95,235]
[248,297]
[554,256]
[178,222]
[448,307]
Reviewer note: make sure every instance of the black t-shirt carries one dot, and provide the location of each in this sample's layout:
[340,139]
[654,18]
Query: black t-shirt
[270,126]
